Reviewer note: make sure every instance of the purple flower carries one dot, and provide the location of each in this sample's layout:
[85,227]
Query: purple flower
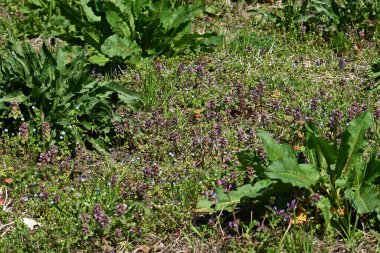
[24,131]
[86,230]
[376,114]
[336,117]
[314,104]
[85,218]
[292,205]
[233,224]
[102,219]
[118,233]
[113,180]
[121,209]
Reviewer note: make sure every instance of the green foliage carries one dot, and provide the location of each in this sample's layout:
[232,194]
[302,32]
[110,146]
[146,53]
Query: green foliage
[374,75]
[127,31]
[36,18]
[330,17]
[228,201]
[51,85]
[338,175]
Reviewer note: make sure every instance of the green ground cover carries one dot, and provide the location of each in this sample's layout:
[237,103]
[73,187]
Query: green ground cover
[261,136]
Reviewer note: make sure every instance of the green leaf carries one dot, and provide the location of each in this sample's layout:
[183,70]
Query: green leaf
[318,143]
[98,59]
[115,46]
[353,142]
[204,206]
[274,150]
[289,171]
[92,37]
[325,206]
[88,12]
[14,96]
[366,199]
[372,172]
[228,201]
[99,145]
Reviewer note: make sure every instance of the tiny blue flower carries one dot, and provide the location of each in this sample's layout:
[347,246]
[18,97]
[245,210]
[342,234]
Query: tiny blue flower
[6,130]
[25,198]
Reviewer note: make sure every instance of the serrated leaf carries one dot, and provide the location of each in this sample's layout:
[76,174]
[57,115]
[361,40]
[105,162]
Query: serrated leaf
[372,172]
[353,142]
[115,46]
[274,150]
[314,141]
[89,12]
[228,201]
[92,36]
[366,199]
[289,171]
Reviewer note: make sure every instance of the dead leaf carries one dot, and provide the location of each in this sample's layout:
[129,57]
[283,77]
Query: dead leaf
[340,211]
[301,216]
[142,248]
[8,180]
[159,247]
[31,223]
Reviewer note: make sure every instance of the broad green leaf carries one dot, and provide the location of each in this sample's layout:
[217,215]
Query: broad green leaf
[99,59]
[115,46]
[228,200]
[372,171]
[204,206]
[92,37]
[14,96]
[274,150]
[329,151]
[289,171]
[120,18]
[353,142]
[174,18]
[366,199]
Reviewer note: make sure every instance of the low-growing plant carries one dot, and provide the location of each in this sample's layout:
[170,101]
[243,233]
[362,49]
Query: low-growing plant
[49,90]
[337,179]
[127,31]
[374,75]
[332,19]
